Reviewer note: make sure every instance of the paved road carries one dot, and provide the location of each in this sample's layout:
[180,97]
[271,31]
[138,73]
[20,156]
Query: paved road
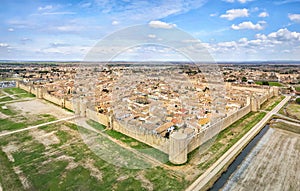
[37,126]
[236,148]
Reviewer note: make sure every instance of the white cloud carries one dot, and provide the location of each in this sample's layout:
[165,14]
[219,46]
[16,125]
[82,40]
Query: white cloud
[248,25]
[261,36]
[243,40]
[235,13]
[47,7]
[227,44]
[285,35]
[3,45]
[67,28]
[160,24]
[152,36]
[294,17]
[282,44]
[115,23]
[263,14]
[11,30]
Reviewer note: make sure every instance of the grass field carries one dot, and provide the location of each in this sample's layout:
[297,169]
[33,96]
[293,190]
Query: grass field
[16,119]
[291,110]
[270,83]
[55,157]
[139,146]
[17,93]
[69,164]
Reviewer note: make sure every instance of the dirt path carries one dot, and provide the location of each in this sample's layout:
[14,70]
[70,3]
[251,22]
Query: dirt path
[289,122]
[288,118]
[36,126]
[11,95]
[275,167]
[17,100]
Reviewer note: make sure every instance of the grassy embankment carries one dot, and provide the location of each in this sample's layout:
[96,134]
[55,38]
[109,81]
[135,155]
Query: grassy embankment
[271,103]
[131,142]
[270,83]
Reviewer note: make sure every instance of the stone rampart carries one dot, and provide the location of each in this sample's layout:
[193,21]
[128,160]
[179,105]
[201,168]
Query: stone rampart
[167,146]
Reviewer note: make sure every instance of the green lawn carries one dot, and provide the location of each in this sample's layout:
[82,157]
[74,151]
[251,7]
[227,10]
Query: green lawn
[8,179]
[131,142]
[270,83]
[297,88]
[19,93]
[5,99]
[292,110]
[271,103]
[17,120]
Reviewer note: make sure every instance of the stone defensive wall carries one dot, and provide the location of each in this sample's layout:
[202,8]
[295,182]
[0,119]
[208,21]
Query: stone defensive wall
[41,93]
[179,144]
[217,127]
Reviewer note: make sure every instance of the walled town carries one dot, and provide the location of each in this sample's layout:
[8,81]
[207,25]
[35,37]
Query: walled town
[155,101]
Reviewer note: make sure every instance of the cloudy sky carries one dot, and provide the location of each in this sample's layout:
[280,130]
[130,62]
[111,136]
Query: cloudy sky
[231,30]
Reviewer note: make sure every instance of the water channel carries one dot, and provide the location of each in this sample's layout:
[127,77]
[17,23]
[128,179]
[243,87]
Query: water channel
[242,161]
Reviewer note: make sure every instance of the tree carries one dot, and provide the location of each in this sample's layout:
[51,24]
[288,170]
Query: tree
[298,100]
[244,79]
[265,83]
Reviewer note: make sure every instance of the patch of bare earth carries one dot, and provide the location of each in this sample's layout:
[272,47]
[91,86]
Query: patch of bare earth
[38,106]
[145,182]
[3,116]
[22,177]
[275,167]
[9,149]
[45,138]
[94,171]
[1,187]
[87,164]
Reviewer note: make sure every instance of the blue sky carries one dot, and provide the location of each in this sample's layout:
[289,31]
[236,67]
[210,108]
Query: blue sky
[231,30]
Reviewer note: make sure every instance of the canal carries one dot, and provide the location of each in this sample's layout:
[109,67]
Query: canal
[236,167]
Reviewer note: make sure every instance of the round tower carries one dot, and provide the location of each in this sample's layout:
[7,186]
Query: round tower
[178,148]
